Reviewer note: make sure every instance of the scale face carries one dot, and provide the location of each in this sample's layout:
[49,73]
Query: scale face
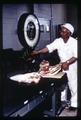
[28,30]
[31,30]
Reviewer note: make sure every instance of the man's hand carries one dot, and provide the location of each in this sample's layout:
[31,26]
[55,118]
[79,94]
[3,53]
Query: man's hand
[65,66]
[34,53]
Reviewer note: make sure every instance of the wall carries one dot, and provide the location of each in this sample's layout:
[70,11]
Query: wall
[72,17]
[52,14]
[11,14]
[55,14]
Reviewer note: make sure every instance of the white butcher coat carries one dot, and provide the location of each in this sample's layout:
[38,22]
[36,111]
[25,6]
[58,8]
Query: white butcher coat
[65,52]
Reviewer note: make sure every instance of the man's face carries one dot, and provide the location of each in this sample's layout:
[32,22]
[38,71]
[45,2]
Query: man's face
[65,33]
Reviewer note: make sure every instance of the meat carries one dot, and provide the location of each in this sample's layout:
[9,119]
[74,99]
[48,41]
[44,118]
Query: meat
[44,63]
[33,77]
[27,77]
[55,69]
[45,68]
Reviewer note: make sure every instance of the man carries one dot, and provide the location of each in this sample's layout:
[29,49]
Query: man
[66,46]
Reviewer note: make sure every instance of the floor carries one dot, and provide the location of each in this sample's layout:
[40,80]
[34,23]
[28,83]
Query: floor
[67,113]
[39,114]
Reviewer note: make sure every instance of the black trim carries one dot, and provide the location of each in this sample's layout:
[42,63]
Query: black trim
[20,31]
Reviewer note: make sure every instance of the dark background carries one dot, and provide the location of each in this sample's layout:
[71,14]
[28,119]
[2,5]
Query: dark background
[70,14]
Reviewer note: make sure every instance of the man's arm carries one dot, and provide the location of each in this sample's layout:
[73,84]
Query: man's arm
[44,50]
[72,60]
[65,65]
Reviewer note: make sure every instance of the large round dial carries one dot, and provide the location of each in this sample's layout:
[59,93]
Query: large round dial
[28,30]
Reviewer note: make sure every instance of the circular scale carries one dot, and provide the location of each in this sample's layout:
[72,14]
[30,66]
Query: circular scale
[28,31]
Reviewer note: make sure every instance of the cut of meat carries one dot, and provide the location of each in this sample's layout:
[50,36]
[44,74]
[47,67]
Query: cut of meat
[42,72]
[33,77]
[44,64]
[51,70]
[55,69]
[27,78]
[36,76]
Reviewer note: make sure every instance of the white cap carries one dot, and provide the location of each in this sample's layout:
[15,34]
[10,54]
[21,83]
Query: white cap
[69,27]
